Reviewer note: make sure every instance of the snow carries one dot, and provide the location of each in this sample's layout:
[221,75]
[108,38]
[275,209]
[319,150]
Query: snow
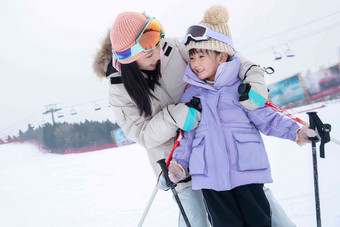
[112,187]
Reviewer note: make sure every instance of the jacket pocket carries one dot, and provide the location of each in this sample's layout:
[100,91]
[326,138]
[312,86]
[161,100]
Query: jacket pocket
[197,160]
[251,154]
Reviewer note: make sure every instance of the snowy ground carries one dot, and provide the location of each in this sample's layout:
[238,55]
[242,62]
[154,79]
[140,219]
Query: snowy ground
[112,187]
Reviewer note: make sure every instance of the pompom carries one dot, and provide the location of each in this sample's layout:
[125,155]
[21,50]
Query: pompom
[216,14]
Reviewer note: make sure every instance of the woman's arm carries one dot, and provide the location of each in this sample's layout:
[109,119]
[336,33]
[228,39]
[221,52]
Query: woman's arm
[147,131]
[154,130]
[252,74]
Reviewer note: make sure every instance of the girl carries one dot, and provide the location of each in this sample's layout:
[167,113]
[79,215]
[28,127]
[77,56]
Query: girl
[225,154]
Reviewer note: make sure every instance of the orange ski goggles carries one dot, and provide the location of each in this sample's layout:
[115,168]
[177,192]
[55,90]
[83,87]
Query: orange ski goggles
[148,40]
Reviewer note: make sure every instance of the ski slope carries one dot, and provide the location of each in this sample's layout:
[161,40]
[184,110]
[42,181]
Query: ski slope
[112,187]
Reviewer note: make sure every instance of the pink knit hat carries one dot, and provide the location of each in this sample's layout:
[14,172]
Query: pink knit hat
[124,32]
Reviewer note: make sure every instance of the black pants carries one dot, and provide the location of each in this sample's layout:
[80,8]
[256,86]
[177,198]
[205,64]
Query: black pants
[242,206]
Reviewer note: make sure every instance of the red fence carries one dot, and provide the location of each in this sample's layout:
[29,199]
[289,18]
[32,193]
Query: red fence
[45,149]
[95,148]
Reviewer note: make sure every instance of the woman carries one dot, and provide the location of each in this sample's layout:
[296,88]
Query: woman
[146,83]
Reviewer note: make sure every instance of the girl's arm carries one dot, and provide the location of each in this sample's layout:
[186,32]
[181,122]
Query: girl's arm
[273,123]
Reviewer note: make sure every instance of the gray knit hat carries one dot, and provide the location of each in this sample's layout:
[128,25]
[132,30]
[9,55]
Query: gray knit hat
[215,18]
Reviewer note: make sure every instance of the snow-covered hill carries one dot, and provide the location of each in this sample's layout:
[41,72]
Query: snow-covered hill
[112,187]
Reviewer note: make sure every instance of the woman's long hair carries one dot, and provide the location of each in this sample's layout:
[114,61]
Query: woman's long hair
[138,87]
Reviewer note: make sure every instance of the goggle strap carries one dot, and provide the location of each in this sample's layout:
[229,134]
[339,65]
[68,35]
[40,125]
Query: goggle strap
[220,37]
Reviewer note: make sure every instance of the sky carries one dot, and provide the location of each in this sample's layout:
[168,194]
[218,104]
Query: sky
[110,188]
[47,47]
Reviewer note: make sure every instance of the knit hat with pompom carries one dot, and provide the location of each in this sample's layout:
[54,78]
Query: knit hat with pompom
[216,18]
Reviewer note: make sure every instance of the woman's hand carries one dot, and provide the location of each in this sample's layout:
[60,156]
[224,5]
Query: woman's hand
[186,118]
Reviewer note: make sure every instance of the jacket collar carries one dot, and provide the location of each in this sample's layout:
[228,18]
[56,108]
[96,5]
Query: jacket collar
[226,75]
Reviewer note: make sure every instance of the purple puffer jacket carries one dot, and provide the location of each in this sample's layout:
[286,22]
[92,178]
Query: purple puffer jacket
[226,149]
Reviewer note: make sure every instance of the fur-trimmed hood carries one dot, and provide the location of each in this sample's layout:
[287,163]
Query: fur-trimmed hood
[103,57]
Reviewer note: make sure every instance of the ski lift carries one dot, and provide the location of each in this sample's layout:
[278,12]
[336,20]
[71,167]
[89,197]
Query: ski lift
[277,55]
[97,107]
[73,111]
[289,52]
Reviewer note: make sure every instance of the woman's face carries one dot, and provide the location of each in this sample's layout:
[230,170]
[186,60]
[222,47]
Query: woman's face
[149,61]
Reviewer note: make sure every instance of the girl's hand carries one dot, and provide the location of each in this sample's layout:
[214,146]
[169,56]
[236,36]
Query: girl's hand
[176,172]
[303,134]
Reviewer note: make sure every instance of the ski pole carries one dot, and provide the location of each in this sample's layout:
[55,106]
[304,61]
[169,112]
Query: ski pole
[244,89]
[147,208]
[324,134]
[315,172]
[155,190]
[315,163]
[286,113]
[174,192]
[194,103]
[179,137]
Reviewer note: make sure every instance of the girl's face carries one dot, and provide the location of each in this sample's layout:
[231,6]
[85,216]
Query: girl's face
[205,63]
[149,61]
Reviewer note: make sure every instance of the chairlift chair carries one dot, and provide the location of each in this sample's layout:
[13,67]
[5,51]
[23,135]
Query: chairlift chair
[277,55]
[60,115]
[73,112]
[97,107]
[289,52]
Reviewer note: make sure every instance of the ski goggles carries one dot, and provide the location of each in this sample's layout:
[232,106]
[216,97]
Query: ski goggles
[148,40]
[199,33]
